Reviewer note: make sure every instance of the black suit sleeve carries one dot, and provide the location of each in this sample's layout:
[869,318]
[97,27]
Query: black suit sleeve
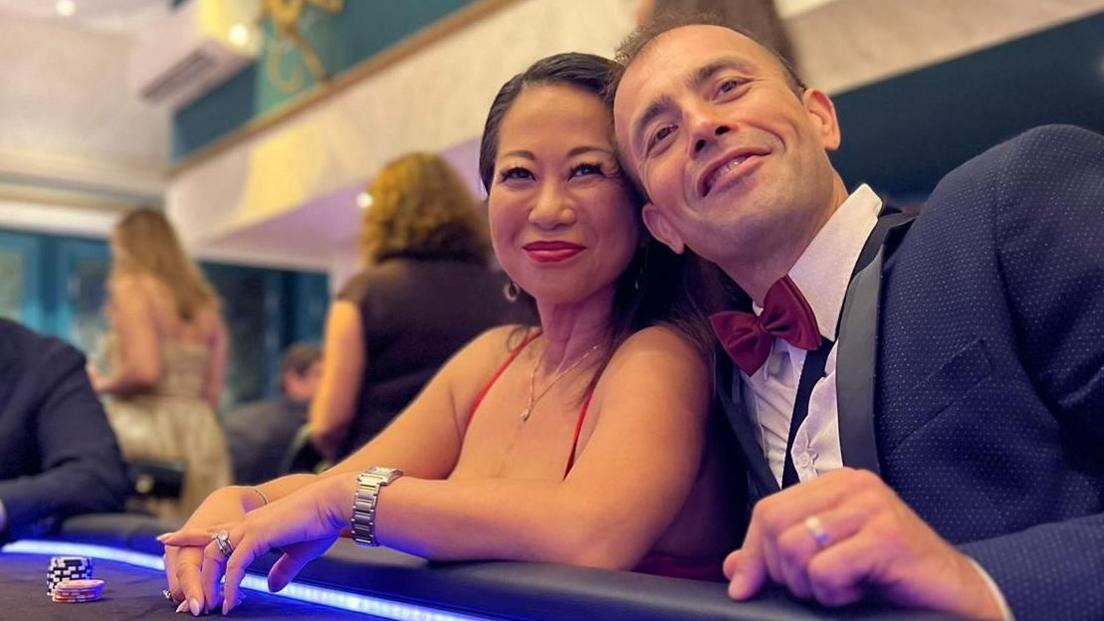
[81,470]
[1049,218]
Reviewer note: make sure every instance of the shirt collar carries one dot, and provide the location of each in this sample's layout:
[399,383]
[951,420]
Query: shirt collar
[823,271]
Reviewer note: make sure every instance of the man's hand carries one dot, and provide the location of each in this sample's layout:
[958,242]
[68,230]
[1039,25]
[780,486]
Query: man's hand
[846,535]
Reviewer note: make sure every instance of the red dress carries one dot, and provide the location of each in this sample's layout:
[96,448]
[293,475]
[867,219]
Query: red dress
[654,562]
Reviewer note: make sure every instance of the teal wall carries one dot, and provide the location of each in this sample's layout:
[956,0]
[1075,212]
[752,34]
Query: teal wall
[57,285]
[364,28]
[905,133]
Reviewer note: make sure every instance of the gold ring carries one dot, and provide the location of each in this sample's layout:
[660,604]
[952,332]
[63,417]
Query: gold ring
[816,529]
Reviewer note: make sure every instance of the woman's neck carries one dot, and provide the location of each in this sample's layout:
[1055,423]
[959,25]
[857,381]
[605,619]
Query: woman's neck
[572,330]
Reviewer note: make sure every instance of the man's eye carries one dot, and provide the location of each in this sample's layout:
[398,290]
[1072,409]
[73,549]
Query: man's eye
[729,85]
[660,135]
[516,172]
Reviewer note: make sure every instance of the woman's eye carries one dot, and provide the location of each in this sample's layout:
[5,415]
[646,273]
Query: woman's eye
[516,172]
[580,170]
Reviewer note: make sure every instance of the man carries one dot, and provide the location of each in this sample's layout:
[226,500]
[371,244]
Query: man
[948,454]
[259,435]
[58,456]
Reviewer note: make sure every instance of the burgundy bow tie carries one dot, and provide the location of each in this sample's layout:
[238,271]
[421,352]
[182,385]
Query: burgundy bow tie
[786,314]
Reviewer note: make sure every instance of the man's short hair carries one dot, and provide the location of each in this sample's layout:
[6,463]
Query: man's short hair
[634,44]
[299,357]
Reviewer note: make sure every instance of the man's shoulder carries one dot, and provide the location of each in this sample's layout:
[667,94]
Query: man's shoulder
[1038,160]
[21,343]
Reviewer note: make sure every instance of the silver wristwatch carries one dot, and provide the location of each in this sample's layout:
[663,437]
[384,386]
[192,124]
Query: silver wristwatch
[364,503]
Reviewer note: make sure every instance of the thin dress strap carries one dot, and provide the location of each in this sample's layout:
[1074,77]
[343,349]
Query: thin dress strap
[575,439]
[498,372]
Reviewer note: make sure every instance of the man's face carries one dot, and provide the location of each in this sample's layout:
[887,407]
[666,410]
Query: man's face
[303,387]
[733,160]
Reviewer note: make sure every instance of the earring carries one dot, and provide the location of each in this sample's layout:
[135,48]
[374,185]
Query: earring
[511,291]
[640,270]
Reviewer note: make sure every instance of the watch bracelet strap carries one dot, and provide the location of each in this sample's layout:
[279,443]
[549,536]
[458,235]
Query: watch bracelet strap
[363,521]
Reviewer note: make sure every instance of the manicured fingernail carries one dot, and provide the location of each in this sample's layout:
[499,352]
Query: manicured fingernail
[193,605]
[737,589]
[163,536]
[183,606]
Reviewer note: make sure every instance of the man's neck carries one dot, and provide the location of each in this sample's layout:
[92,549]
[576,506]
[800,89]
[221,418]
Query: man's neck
[756,273]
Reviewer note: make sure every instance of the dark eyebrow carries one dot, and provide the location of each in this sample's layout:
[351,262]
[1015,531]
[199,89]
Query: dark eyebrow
[579,150]
[695,82]
[520,153]
[588,149]
[706,73]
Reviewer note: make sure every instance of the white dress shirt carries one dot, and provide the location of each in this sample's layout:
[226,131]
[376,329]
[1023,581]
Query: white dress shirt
[822,273]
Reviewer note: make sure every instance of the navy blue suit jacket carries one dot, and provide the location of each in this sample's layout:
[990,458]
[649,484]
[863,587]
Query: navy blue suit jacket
[58,455]
[987,400]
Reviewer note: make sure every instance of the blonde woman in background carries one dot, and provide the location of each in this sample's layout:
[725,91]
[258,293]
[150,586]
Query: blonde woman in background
[167,354]
[424,292]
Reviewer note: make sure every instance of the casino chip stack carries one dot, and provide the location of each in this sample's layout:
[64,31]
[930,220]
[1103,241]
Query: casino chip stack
[77,591]
[64,568]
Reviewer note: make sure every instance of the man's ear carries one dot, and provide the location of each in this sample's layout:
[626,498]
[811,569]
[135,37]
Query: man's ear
[822,112]
[660,228]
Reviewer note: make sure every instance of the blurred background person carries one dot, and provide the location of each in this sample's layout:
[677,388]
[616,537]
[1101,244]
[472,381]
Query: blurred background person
[58,456]
[426,289]
[166,355]
[758,17]
[260,434]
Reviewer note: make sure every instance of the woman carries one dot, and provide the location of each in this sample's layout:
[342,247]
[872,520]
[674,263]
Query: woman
[591,428]
[424,293]
[167,355]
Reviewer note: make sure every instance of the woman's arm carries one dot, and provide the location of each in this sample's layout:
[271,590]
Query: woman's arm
[630,482]
[424,440]
[343,366]
[216,370]
[134,323]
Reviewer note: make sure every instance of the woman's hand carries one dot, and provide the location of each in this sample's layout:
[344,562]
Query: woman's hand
[303,525]
[184,564]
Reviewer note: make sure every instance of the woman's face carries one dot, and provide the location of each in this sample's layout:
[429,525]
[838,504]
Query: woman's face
[563,223]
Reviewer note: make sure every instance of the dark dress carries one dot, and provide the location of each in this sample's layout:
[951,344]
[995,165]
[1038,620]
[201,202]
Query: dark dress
[415,314]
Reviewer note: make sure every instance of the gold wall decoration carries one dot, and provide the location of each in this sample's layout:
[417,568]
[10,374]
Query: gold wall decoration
[285,16]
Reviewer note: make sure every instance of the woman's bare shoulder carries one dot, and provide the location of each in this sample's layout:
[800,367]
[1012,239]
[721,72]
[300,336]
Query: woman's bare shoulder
[659,340]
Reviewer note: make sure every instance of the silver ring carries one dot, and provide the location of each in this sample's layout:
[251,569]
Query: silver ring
[816,529]
[222,541]
[168,595]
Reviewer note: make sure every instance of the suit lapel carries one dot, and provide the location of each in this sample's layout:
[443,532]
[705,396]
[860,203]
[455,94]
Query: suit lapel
[857,344]
[855,364]
[728,390]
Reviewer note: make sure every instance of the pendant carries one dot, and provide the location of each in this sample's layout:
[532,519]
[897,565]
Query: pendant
[525,414]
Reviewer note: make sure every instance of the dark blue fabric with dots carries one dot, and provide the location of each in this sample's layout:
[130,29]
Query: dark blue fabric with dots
[990,387]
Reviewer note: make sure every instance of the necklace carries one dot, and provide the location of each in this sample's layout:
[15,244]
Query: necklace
[533,397]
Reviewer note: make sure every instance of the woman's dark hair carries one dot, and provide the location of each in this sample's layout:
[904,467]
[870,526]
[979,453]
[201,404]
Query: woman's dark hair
[658,286]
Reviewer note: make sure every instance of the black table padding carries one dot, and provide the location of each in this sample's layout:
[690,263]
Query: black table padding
[507,590]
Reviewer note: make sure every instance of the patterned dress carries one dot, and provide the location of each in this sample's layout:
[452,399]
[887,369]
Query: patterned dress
[173,422]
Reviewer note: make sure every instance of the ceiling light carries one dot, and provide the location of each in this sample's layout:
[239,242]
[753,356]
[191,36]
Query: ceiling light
[364,200]
[65,8]
[239,35]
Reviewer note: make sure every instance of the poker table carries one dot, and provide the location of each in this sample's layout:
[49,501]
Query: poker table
[351,582]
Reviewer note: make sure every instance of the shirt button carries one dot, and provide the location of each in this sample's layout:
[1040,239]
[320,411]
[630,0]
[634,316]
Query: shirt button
[804,461]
